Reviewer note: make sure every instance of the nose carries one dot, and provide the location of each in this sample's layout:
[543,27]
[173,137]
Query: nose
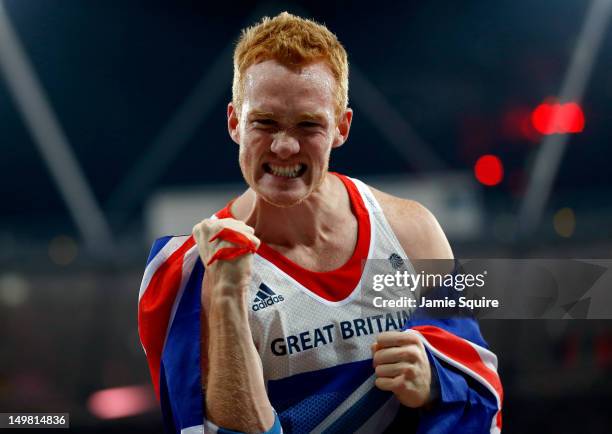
[284,145]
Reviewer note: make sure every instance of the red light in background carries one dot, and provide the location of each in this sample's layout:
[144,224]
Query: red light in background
[541,118]
[572,118]
[489,170]
[555,118]
[516,125]
[122,402]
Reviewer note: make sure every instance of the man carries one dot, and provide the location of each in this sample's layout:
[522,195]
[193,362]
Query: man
[281,323]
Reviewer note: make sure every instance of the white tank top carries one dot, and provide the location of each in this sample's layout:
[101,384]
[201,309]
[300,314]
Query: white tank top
[305,322]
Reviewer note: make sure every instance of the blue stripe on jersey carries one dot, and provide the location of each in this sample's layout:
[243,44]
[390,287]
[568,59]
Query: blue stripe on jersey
[158,244]
[360,412]
[181,356]
[304,400]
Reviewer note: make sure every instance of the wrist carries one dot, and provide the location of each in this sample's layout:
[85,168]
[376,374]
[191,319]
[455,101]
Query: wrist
[228,309]
[227,289]
[227,302]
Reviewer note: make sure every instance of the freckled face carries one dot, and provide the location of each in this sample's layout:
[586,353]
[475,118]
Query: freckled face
[286,130]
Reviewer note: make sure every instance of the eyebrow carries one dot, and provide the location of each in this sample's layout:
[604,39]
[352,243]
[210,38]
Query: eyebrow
[260,114]
[305,116]
[309,116]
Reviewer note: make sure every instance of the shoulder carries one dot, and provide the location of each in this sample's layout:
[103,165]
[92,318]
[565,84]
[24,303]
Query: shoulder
[415,227]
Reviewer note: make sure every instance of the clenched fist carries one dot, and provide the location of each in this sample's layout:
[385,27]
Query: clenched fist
[226,246]
[402,367]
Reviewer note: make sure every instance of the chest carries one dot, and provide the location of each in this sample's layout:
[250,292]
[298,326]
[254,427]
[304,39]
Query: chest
[330,252]
[297,331]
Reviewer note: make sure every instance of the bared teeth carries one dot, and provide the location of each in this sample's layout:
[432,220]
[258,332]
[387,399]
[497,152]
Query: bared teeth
[285,171]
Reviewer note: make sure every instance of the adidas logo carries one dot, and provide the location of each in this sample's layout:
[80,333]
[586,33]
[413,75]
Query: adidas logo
[265,297]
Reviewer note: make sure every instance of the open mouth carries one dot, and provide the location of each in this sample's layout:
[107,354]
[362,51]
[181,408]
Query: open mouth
[292,171]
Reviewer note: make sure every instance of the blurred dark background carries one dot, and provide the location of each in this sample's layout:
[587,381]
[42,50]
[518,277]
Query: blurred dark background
[132,145]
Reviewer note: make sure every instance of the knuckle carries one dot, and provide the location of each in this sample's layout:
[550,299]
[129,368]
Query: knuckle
[246,227]
[198,236]
[382,383]
[203,226]
[400,386]
[419,344]
[228,222]
[408,353]
[409,338]
[409,372]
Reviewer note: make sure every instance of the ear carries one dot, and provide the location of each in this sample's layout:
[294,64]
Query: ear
[343,128]
[233,123]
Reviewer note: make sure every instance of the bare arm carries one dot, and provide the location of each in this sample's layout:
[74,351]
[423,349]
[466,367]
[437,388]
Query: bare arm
[416,228]
[236,397]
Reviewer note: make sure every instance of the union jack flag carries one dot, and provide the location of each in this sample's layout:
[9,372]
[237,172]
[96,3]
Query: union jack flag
[470,391]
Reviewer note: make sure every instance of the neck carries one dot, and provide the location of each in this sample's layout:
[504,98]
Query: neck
[307,223]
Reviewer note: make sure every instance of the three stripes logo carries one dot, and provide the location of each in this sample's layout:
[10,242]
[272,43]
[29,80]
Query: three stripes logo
[265,297]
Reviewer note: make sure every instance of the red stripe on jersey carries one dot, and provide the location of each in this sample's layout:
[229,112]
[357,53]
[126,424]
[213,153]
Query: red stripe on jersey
[338,284]
[155,307]
[461,351]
